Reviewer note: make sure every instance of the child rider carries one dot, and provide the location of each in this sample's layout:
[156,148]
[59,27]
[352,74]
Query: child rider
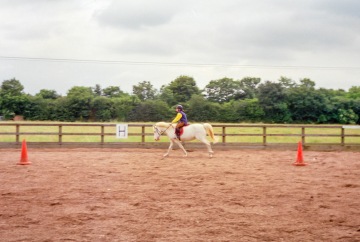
[180,119]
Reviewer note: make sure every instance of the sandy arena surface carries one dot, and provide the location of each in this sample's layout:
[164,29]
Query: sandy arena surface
[133,195]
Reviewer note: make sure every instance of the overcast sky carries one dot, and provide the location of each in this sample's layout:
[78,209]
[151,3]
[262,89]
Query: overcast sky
[56,45]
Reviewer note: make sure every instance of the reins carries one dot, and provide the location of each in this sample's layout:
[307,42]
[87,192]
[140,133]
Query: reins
[161,132]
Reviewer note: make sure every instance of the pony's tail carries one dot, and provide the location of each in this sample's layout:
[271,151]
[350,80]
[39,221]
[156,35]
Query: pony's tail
[210,131]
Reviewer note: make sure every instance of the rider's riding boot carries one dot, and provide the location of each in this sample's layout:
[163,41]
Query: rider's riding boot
[177,132]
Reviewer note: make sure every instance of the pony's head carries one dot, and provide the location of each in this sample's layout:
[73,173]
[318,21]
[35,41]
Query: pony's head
[159,129]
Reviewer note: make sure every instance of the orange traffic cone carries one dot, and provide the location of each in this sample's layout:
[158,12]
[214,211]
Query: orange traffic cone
[300,158]
[24,156]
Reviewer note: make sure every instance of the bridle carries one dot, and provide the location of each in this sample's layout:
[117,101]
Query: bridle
[161,132]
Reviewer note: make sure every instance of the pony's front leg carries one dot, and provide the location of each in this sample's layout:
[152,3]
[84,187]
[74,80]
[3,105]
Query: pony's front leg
[181,146]
[170,147]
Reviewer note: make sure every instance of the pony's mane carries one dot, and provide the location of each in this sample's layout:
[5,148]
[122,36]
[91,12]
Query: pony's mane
[162,124]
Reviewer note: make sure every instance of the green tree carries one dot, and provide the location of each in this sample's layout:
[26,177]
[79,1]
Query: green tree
[102,109]
[248,110]
[182,88]
[144,91]
[222,90]
[343,110]
[249,86]
[167,95]
[38,108]
[287,82]
[306,104]
[112,91]
[356,108]
[47,94]
[13,101]
[332,100]
[308,84]
[150,111]
[79,101]
[123,106]
[354,92]
[347,116]
[331,93]
[12,87]
[227,113]
[201,110]
[60,110]
[97,90]
[272,99]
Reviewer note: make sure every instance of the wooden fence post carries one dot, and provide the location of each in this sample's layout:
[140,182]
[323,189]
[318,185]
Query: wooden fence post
[303,135]
[17,133]
[223,134]
[264,135]
[60,134]
[102,134]
[143,133]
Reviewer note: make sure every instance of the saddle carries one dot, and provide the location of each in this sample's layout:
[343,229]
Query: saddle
[180,131]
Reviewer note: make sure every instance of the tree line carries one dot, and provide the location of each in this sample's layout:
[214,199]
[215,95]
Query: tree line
[224,100]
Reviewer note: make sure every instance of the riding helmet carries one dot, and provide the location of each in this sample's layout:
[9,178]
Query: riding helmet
[180,107]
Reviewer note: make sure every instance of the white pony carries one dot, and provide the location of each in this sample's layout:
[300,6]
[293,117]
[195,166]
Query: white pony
[191,132]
